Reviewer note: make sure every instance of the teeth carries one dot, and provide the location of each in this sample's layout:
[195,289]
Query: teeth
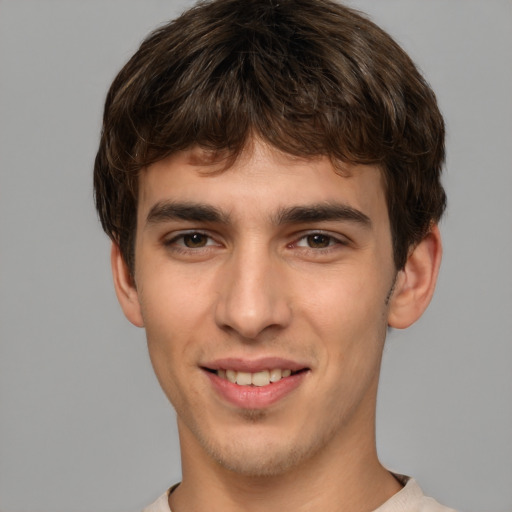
[243,378]
[263,378]
[275,375]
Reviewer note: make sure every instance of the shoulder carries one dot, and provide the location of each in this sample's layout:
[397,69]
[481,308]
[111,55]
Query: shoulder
[411,499]
[160,505]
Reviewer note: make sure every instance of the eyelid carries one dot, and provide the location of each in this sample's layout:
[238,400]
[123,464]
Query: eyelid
[337,241]
[337,238]
[170,240]
[173,240]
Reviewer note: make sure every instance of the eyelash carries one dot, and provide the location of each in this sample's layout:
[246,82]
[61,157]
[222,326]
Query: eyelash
[332,241]
[174,244]
[177,243]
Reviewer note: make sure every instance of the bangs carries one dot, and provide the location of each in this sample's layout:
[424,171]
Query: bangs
[259,78]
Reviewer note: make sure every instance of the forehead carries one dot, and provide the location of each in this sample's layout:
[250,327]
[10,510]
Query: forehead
[260,177]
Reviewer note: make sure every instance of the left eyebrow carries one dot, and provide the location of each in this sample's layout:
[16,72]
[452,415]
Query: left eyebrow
[320,213]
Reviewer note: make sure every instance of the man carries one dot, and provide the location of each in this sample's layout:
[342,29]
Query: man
[268,173]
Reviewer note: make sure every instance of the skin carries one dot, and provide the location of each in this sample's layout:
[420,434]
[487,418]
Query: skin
[250,284]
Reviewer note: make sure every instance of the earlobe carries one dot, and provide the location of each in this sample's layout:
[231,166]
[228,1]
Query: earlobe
[124,285]
[416,282]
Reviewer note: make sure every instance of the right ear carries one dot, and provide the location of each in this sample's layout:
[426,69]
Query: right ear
[124,285]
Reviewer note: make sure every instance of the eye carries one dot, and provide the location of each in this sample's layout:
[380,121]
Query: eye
[317,241]
[195,240]
[191,240]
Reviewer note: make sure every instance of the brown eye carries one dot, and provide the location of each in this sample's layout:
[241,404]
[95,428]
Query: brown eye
[195,240]
[318,241]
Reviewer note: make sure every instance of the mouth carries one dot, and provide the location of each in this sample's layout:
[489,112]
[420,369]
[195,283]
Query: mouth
[259,379]
[254,384]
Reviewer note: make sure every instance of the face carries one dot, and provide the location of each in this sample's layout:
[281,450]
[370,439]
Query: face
[264,289]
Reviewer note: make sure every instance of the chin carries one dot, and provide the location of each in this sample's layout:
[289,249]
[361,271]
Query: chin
[260,462]
[253,457]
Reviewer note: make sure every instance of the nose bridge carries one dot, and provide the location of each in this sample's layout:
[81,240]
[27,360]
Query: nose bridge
[252,294]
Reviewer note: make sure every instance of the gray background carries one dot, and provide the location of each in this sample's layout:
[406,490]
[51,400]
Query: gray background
[83,423]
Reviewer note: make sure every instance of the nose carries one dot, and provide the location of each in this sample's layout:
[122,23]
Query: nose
[252,295]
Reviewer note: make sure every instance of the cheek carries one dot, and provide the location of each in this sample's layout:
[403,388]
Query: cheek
[348,318]
[344,300]
[174,316]
[173,302]
[169,332]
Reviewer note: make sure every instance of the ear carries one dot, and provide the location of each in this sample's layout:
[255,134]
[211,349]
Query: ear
[416,282]
[124,285]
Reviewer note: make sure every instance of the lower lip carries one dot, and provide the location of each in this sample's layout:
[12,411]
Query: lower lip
[255,397]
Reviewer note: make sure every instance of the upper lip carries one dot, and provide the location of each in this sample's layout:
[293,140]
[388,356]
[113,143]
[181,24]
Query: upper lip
[254,365]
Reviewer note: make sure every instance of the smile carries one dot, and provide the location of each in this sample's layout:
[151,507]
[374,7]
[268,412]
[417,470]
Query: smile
[260,379]
[256,383]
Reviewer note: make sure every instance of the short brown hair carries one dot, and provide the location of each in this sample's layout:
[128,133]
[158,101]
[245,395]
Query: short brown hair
[310,77]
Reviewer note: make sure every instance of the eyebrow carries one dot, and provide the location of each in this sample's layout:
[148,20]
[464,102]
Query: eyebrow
[196,212]
[320,213]
[164,211]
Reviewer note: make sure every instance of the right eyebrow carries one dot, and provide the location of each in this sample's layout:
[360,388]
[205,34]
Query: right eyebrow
[189,211]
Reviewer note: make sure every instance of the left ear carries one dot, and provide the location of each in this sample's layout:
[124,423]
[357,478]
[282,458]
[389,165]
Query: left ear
[416,282]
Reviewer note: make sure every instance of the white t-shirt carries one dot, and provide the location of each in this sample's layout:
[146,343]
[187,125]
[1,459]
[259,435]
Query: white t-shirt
[409,499]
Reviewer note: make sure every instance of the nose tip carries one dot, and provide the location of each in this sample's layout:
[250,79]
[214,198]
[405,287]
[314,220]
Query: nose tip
[248,322]
[252,301]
